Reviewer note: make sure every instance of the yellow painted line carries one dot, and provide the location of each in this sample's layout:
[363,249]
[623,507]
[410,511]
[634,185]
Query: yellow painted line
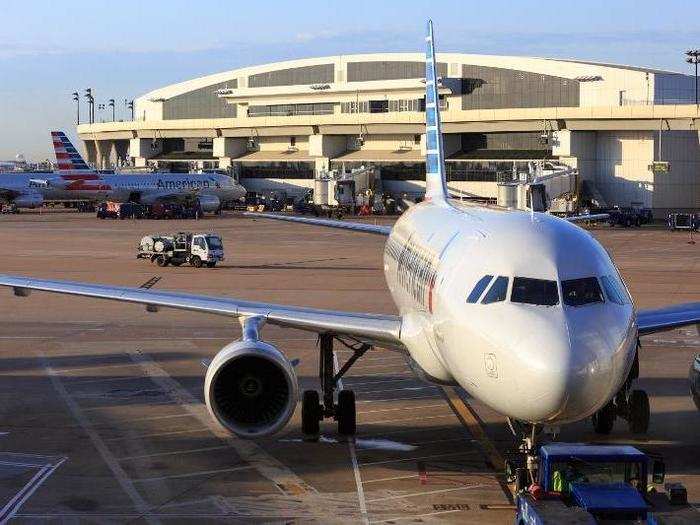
[467,415]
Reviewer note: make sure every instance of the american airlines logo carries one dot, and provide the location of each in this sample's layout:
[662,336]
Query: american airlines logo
[182,184]
[416,272]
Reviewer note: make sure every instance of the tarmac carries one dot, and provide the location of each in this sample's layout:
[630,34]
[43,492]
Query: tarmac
[101,404]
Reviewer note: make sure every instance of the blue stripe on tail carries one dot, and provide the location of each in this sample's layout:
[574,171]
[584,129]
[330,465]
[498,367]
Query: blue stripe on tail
[435,185]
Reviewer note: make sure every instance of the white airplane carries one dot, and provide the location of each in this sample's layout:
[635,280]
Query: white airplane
[524,311]
[83,182]
[29,190]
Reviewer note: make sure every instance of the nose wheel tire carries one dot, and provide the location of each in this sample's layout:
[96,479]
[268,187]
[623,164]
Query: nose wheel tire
[311,414]
[604,419]
[638,412]
[345,413]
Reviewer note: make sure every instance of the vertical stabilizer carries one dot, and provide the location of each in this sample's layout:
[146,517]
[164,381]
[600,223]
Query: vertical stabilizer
[67,157]
[435,185]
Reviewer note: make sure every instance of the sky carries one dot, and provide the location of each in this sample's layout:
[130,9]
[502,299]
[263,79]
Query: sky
[123,49]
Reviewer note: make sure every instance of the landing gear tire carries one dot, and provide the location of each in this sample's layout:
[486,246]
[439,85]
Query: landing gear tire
[310,415]
[604,419]
[196,262]
[346,415]
[638,412]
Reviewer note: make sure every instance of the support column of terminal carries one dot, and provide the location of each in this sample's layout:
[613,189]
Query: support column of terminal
[141,150]
[104,153]
[90,152]
[227,149]
[325,148]
[121,150]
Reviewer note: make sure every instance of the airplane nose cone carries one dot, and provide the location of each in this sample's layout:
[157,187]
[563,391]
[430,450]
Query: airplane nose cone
[569,367]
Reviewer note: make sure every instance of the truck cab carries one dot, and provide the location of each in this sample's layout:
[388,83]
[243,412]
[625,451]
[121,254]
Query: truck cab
[580,483]
[197,249]
[208,248]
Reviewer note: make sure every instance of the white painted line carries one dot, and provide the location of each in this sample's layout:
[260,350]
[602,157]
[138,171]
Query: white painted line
[121,477]
[155,418]
[415,517]
[409,430]
[394,399]
[419,418]
[83,368]
[358,482]
[402,389]
[12,506]
[174,453]
[104,380]
[441,491]
[406,409]
[415,458]
[159,434]
[365,383]
[195,474]
[353,459]
[394,478]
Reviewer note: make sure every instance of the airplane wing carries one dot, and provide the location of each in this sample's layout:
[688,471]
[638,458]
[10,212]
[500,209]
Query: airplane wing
[329,223]
[379,329]
[660,319]
[589,217]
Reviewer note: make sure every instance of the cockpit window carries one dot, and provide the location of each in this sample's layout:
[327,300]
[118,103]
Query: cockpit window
[614,290]
[479,288]
[578,292]
[497,292]
[534,291]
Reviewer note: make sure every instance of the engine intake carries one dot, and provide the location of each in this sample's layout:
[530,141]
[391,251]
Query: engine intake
[251,389]
[209,203]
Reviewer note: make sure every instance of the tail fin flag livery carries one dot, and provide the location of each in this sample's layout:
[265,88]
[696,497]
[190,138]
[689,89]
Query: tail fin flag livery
[67,157]
[435,185]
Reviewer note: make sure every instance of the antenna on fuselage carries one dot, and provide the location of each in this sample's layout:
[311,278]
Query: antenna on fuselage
[435,181]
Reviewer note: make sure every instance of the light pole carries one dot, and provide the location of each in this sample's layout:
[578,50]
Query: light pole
[76,98]
[100,107]
[131,107]
[91,105]
[111,105]
[693,57]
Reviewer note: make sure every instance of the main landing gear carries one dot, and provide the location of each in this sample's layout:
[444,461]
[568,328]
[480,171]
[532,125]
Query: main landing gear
[315,407]
[629,404]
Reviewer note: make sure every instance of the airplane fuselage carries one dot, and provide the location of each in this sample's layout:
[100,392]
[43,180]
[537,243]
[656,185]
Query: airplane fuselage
[533,351]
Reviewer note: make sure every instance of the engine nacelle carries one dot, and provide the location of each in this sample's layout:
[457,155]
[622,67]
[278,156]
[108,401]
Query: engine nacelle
[209,203]
[251,389]
[694,378]
[29,200]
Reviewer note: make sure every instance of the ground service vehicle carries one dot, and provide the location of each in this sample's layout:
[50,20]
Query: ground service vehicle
[124,210]
[580,483]
[196,249]
[683,221]
[629,216]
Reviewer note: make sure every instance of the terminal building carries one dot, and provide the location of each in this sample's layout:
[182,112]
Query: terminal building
[632,133]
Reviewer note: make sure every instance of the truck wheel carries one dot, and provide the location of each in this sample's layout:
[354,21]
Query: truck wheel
[604,419]
[161,261]
[196,262]
[639,412]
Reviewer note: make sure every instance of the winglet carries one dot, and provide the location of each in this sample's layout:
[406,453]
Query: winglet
[435,185]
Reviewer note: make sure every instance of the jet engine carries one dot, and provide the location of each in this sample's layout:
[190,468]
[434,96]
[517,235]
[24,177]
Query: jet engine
[29,200]
[209,203]
[694,378]
[251,388]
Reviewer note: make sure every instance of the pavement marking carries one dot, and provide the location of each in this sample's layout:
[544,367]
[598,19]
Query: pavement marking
[119,473]
[401,408]
[365,383]
[194,474]
[467,415]
[402,389]
[394,478]
[175,453]
[419,418]
[387,461]
[353,457]
[394,399]
[158,434]
[12,506]
[266,465]
[414,517]
[439,491]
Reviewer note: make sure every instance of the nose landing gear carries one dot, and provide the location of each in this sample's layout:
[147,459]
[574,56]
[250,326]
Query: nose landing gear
[313,409]
[521,468]
[629,404]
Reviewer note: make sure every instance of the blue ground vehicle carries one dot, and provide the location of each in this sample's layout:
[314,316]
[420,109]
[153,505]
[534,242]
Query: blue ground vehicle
[584,484]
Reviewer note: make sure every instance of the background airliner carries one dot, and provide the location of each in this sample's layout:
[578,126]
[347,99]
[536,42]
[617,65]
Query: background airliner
[83,182]
[524,311]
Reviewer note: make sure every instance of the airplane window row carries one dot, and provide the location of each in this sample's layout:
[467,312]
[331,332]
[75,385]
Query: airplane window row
[575,292]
